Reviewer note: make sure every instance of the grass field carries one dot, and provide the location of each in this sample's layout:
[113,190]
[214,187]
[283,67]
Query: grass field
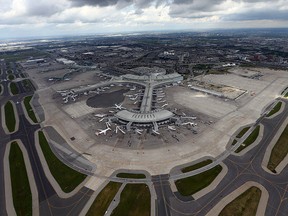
[131,175]
[135,200]
[21,55]
[29,109]
[103,200]
[279,151]
[234,142]
[244,205]
[193,184]
[14,89]
[242,132]
[22,197]
[196,166]
[67,178]
[250,139]
[28,85]
[275,109]
[10,119]
[11,77]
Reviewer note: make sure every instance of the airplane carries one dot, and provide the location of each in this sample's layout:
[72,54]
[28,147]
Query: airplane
[189,123]
[171,128]
[164,105]
[102,131]
[100,115]
[155,132]
[118,128]
[118,106]
[139,131]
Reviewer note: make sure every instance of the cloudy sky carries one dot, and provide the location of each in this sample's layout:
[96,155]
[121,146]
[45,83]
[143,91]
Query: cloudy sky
[22,18]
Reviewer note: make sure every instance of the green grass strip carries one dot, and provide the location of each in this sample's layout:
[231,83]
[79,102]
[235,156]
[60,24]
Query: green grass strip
[196,166]
[242,132]
[135,200]
[11,77]
[29,109]
[250,139]
[279,151]
[22,197]
[67,178]
[131,175]
[103,200]
[10,119]
[245,205]
[275,109]
[14,89]
[193,184]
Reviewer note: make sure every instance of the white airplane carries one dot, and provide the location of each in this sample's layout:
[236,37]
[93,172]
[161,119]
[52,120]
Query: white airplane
[171,128]
[189,123]
[102,131]
[155,132]
[119,106]
[133,89]
[139,131]
[100,115]
[164,105]
[118,128]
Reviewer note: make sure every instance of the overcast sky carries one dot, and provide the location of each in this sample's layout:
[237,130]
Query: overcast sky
[21,18]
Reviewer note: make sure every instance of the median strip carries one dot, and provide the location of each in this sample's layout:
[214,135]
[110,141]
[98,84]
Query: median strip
[67,178]
[21,192]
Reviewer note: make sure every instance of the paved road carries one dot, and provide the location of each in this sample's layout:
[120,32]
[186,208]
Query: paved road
[241,169]
[50,203]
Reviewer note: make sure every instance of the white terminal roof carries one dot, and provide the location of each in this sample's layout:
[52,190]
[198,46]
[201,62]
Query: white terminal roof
[144,117]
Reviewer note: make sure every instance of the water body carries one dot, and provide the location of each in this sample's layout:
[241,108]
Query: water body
[105,100]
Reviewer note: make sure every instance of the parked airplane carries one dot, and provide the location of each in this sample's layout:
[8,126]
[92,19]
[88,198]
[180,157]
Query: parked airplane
[118,128]
[155,132]
[100,115]
[189,123]
[133,89]
[119,106]
[171,128]
[139,131]
[102,131]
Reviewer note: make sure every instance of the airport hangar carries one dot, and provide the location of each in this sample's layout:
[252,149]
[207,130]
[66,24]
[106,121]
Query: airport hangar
[146,117]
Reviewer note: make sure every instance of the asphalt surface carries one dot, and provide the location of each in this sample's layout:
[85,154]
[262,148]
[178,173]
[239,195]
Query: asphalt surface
[241,169]
[50,203]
